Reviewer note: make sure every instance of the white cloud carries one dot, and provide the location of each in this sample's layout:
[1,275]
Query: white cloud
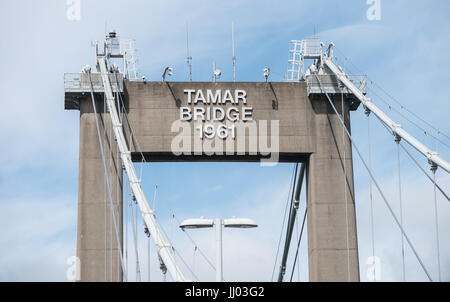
[38,233]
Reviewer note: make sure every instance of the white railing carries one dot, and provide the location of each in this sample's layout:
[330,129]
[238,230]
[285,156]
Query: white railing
[79,82]
[331,83]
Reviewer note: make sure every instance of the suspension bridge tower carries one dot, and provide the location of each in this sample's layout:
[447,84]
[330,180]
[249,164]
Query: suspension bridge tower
[123,119]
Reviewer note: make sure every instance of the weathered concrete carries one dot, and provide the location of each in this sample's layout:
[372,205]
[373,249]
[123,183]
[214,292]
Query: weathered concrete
[309,131]
[332,241]
[97,247]
[153,109]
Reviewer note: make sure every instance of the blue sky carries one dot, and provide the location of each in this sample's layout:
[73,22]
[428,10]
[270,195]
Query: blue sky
[404,53]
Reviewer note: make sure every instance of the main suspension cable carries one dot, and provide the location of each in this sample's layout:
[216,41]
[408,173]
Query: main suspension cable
[374,180]
[394,99]
[419,166]
[119,245]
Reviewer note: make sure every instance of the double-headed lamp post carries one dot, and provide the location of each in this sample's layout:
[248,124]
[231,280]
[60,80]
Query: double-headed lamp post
[201,223]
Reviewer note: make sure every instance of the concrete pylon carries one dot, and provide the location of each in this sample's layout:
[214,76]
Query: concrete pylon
[97,246]
[309,131]
[332,251]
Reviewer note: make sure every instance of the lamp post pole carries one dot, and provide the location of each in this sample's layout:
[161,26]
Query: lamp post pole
[219,259]
[201,223]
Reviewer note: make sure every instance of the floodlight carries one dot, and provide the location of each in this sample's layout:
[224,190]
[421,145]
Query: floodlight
[266,73]
[244,223]
[197,223]
[167,71]
[86,69]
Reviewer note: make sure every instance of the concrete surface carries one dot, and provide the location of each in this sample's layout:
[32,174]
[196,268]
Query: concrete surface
[309,131]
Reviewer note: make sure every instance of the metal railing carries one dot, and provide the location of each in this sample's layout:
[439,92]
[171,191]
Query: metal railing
[79,82]
[331,84]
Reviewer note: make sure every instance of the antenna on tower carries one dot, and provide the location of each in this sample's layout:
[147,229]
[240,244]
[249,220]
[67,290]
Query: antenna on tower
[188,57]
[232,46]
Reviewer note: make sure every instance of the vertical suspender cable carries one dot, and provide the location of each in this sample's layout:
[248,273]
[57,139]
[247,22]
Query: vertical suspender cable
[118,199]
[136,253]
[108,138]
[148,257]
[397,140]
[104,199]
[372,223]
[126,226]
[345,184]
[300,240]
[374,180]
[165,250]
[291,221]
[138,270]
[436,217]
[193,259]
[288,203]
[105,169]
[436,221]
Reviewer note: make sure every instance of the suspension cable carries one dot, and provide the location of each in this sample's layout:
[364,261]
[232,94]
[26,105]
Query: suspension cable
[299,241]
[291,219]
[106,204]
[345,186]
[436,221]
[397,140]
[372,222]
[187,265]
[162,245]
[374,180]
[297,233]
[148,255]
[126,224]
[112,209]
[136,243]
[118,197]
[196,246]
[395,100]
[420,167]
[133,210]
[119,246]
[425,131]
[284,221]
[193,258]
[138,148]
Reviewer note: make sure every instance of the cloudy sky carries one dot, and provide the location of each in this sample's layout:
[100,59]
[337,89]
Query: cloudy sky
[404,53]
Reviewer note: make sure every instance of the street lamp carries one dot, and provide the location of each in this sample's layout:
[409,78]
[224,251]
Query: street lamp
[168,71]
[201,223]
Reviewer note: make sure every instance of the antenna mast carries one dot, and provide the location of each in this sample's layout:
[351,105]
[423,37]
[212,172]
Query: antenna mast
[232,46]
[188,57]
